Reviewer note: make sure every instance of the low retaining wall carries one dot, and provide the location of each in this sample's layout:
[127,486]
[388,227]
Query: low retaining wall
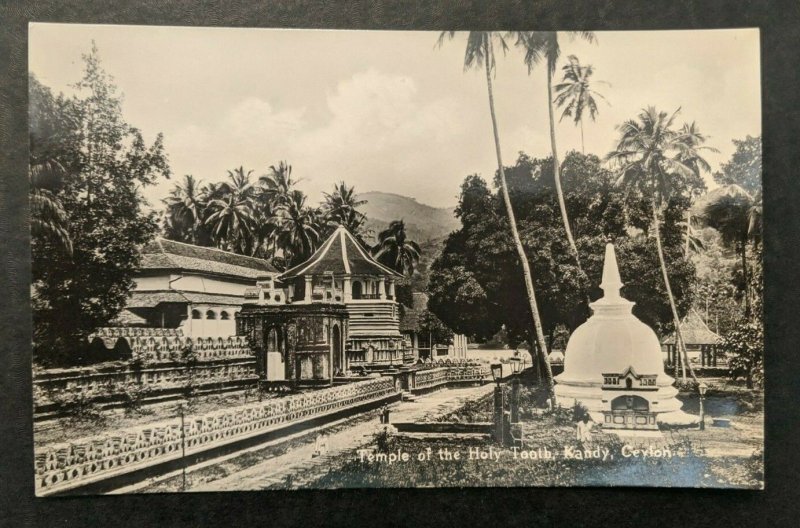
[432,378]
[160,367]
[56,390]
[444,427]
[69,466]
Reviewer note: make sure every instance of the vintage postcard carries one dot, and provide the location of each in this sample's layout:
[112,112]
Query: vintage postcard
[311,259]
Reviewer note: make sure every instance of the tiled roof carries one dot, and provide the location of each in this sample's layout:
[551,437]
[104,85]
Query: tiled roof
[127,318]
[694,331]
[163,254]
[341,254]
[409,320]
[150,299]
[211,298]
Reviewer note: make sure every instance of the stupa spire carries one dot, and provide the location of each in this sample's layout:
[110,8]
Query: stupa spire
[612,282]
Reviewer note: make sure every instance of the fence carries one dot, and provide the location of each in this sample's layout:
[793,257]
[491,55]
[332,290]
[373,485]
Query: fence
[65,466]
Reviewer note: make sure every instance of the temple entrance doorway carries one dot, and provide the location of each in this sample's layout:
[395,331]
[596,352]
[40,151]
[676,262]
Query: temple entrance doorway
[275,364]
[338,360]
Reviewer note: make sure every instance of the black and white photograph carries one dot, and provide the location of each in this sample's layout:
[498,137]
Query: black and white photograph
[292,259]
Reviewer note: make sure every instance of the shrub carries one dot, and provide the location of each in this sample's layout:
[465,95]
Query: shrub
[744,346]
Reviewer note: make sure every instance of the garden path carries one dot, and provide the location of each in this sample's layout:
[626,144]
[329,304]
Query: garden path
[297,466]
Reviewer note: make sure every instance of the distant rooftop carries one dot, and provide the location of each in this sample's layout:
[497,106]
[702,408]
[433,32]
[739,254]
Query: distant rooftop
[163,254]
[694,331]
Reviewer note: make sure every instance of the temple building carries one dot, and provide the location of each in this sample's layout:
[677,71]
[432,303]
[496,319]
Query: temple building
[613,364]
[331,315]
[195,290]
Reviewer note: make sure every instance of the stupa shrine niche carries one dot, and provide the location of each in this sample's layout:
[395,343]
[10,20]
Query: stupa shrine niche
[613,364]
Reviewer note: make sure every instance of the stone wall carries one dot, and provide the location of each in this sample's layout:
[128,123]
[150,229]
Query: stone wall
[64,466]
[159,366]
[447,374]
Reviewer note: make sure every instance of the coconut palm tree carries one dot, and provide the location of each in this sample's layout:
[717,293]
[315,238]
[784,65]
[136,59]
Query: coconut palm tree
[342,200]
[480,53]
[736,214]
[277,186]
[544,46]
[341,208]
[395,250]
[298,231]
[575,94]
[230,212]
[186,207]
[655,160]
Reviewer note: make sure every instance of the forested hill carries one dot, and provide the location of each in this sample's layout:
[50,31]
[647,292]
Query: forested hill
[423,222]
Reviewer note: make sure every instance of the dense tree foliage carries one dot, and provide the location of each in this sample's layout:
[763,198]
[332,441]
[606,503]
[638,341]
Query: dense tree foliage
[744,167]
[103,162]
[475,290]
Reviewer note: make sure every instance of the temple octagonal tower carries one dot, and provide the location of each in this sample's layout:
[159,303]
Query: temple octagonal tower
[613,365]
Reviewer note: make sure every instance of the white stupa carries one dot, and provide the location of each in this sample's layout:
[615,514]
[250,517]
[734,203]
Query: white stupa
[613,365]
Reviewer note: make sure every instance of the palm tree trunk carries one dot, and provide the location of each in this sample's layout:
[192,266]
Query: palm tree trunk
[688,233]
[526,271]
[746,279]
[557,171]
[676,320]
[583,147]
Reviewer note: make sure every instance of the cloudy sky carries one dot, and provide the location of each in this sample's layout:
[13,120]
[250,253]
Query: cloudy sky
[388,111]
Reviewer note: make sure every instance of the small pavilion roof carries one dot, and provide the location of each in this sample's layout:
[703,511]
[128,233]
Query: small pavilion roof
[341,254]
[694,331]
[163,254]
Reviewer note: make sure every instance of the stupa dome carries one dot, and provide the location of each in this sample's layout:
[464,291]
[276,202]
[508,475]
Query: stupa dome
[613,363]
[613,339]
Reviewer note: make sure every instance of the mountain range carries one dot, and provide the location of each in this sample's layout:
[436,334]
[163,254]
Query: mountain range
[424,223]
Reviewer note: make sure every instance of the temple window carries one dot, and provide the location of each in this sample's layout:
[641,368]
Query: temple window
[211,315]
[224,315]
[195,314]
[357,289]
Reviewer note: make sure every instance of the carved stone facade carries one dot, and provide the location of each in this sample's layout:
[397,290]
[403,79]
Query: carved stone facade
[301,344]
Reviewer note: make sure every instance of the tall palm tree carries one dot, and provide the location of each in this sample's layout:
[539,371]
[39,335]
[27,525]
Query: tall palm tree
[395,250]
[656,160]
[575,94]
[278,185]
[186,207]
[48,218]
[298,228]
[480,52]
[231,215]
[539,46]
[341,208]
[736,214]
[342,200]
